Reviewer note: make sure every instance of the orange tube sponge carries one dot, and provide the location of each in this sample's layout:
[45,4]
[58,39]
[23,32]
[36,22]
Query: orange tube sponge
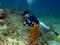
[34,32]
[37,30]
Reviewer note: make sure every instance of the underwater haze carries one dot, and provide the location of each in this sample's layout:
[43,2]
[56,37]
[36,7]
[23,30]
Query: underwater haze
[37,6]
[13,29]
[43,9]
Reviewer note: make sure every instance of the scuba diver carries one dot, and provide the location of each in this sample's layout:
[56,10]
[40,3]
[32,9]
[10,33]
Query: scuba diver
[35,26]
[30,19]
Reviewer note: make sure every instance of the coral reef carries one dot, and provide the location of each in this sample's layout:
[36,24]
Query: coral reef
[14,33]
[15,30]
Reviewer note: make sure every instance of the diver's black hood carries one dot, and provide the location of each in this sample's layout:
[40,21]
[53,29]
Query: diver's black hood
[26,12]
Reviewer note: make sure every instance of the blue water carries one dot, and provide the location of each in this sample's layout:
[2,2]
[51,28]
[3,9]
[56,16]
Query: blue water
[38,6]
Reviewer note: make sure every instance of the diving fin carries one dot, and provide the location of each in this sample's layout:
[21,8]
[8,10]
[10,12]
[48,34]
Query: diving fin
[58,37]
[57,34]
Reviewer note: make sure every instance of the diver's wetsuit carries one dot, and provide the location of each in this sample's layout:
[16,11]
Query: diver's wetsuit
[32,18]
[41,24]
